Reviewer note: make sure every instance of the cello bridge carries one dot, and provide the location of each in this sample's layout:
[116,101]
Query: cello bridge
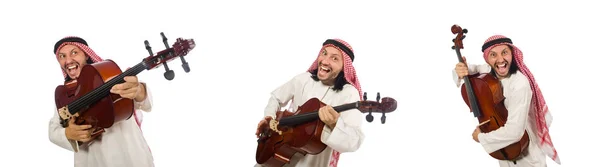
[273,125]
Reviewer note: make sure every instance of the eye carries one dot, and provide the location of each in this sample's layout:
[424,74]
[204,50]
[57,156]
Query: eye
[73,52]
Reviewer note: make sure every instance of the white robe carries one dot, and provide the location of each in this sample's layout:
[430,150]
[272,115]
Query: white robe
[346,136]
[518,103]
[122,145]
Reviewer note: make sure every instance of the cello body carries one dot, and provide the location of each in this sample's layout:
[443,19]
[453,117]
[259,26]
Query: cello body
[278,148]
[490,95]
[106,111]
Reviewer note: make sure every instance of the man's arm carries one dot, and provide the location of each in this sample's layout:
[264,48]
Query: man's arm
[473,69]
[347,135]
[284,93]
[146,104]
[57,134]
[518,106]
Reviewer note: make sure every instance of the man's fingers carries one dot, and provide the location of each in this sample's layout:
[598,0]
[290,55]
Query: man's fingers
[123,86]
[332,112]
[326,116]
[321,116]
[82,127]
[127,95]
[130,79]
[83,136]
[87,139]
[83,132]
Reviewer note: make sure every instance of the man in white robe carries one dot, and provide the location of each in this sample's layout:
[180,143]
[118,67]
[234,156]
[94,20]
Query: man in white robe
[332,79]
[123,144]
[527,110]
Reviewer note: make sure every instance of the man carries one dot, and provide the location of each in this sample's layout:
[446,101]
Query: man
[331,79]
[121,145]
[524,101]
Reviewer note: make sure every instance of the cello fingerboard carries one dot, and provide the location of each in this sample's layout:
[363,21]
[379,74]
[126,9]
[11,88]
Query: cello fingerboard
[312,116]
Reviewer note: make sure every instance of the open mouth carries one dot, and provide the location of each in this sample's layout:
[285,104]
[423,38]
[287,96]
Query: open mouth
[502,67]
[324,70]
[72,69]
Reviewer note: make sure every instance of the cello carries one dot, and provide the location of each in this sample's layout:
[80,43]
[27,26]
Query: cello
[88,99]
[300,132]
[483,94]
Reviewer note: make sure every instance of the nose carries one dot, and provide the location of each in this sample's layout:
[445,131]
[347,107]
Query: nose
[326,61]
[499,59]
[68,59]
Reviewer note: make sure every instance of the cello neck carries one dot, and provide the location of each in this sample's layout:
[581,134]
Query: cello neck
[102,91]
[459,31]
[314,115]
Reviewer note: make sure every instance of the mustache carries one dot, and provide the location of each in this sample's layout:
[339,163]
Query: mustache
[320,64]
[503,61]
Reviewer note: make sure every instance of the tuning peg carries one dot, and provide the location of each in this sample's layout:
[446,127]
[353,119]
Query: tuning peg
[383,118]
[370,117]
[378,97]
[169,74]
[184,63]
[465,31]
[364,95]
[463,37]
[453,47]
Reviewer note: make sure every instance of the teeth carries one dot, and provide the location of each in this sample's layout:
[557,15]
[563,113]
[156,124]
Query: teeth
[323,68]
[72,67]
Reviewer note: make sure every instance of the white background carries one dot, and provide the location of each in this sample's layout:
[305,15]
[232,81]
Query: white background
[246,49]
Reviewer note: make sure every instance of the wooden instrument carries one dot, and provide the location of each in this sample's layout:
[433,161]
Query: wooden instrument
[300,132]
[88,99]
[484,95]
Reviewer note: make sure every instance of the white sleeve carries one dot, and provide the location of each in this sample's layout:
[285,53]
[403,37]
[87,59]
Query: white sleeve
[347,135]
[283,94]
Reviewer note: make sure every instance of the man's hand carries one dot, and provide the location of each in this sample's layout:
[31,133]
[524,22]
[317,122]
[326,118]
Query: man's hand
[261,123]
[131,89]
[81,133]
[476,134]
[462,69]
[328,116]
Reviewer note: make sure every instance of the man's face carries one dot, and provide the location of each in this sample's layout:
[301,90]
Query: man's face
[71,60]
[330,65]
[500,59]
